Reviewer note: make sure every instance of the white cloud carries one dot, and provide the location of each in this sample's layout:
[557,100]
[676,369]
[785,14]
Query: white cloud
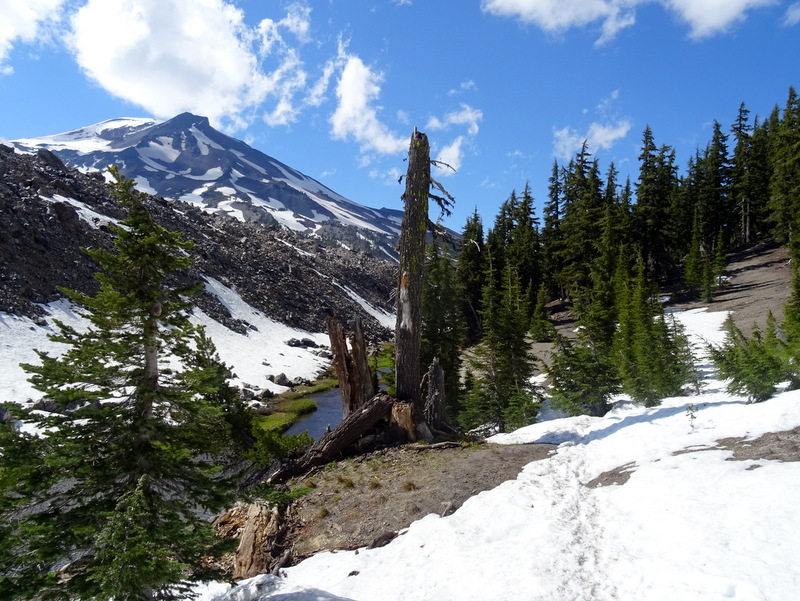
[25,21]
[463,87]
[551,15]
[356,116]
[567,141]
[705,17]
[708,17]
[792,16]
[174,56]
[465,116]
[451,155]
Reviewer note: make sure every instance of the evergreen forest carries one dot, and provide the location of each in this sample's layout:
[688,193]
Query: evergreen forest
[607,250]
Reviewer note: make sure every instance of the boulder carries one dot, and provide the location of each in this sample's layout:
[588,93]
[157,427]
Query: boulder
[282,380]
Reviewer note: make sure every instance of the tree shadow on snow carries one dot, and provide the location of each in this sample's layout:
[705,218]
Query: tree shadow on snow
[652,415]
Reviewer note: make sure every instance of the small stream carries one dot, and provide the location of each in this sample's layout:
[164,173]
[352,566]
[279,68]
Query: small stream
[328,413]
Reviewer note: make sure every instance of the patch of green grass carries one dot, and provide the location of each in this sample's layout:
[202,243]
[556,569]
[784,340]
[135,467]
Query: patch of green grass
[285,412]
[279,421]
[299,392]
[298,406]
[384,357]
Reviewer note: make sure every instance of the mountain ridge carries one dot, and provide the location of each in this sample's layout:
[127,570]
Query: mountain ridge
[185,158]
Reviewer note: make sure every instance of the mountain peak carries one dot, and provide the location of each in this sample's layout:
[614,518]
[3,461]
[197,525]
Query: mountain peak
[185,158]
[187,120]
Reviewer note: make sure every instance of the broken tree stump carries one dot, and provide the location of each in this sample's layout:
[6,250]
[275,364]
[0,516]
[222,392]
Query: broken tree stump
[351,365]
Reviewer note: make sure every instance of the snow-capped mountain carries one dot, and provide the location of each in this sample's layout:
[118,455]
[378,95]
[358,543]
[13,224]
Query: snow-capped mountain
[186,159]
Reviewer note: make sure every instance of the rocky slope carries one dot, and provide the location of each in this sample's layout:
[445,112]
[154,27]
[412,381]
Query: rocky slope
[49,211]
[187,159]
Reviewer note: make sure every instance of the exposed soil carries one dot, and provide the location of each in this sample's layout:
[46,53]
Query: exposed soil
[363,501]
[366,500]
[759,281]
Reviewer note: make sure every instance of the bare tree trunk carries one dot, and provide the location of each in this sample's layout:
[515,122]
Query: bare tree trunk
[408,330]
[363,384]
[352,366]
[434,395]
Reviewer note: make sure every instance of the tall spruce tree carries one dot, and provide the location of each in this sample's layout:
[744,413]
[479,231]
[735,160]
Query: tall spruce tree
[785,179]
[552,235]
[105,500]
[655,188]
[652,353]
[471,273]
[501,393]
[443,328]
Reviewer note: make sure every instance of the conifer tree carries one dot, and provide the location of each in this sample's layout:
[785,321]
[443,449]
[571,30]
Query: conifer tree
[542,329]
[693,267]
[785,158]
[582,377]
[552,235]
[582,223]
[523,249]
[501,393]
[652,354]
[133,454]
[655,188]
[471,272]
[753,365]
[442,323]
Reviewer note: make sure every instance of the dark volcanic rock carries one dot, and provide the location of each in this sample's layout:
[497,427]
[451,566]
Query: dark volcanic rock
[49,212]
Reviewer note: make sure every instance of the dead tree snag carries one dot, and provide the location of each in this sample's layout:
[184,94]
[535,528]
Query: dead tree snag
[351,365]
[408,329]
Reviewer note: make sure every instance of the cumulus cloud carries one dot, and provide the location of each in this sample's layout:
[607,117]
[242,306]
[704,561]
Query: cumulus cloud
[174,56]
[451,155]
[568,141]
[551,15]
[792,16]
[25,21]
[708,17]
[356,116]
[463,87]
[608,127]
[466,115]
[705,17]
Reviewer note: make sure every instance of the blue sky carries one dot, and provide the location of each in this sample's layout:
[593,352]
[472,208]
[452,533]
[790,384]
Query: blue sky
[334,88]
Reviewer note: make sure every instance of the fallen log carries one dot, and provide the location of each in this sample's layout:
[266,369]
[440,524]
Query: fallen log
[334,443]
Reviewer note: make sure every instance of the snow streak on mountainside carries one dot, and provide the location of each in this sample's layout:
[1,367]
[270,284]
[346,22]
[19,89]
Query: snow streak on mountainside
[186,159]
